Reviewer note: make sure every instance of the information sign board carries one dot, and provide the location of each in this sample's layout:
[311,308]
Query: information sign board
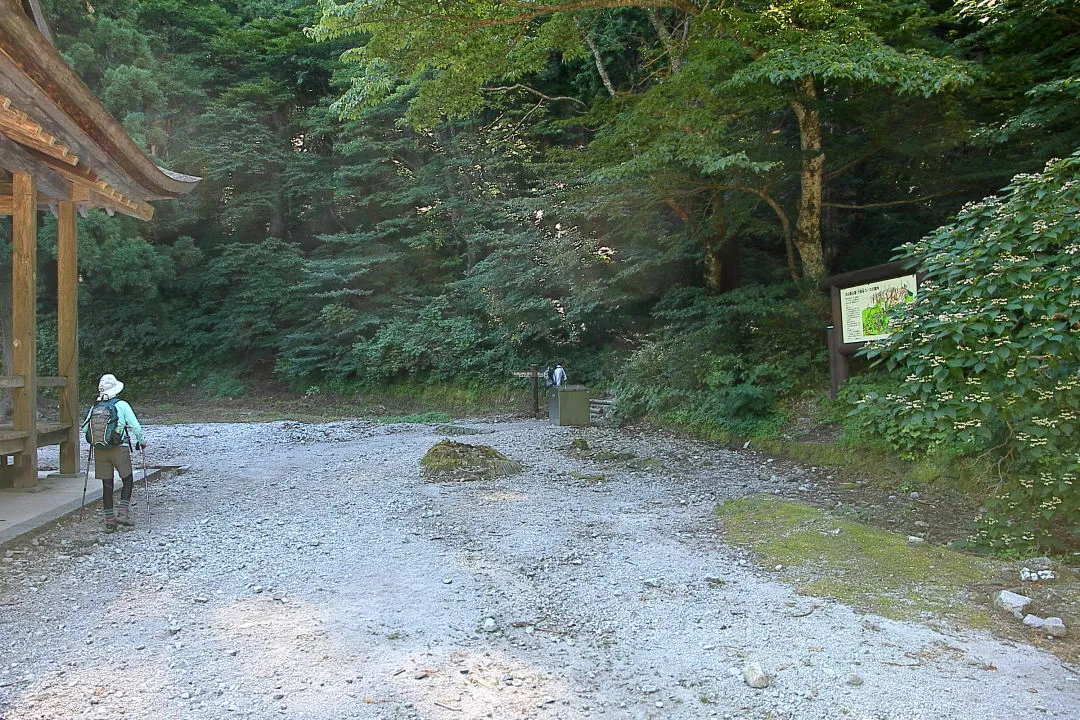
[864,308]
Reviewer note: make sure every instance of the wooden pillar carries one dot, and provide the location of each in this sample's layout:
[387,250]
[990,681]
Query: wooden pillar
[67,340]
[24,322]
[534,380]
[839,364]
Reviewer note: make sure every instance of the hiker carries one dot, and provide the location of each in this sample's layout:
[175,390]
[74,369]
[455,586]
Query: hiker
[558,377]
[108,426]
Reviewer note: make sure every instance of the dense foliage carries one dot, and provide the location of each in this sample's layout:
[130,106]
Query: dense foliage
[443,192]
[990,353]
[722,364]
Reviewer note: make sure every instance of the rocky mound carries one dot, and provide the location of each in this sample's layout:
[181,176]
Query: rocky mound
[449,460]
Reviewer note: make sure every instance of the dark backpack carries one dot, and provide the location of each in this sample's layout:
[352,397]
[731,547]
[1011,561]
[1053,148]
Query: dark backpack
[101,430]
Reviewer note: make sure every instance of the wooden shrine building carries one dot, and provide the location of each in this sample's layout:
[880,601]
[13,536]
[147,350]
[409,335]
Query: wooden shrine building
[60,152]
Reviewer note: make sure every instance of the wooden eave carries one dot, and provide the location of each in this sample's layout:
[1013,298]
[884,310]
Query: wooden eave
[52,125]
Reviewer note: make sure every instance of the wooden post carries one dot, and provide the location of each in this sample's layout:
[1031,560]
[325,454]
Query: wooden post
[839,365]
[534,372]
[24,322]
[839,370]
[67,340]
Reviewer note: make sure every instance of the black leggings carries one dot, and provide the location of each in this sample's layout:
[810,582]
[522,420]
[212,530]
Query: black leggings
[125,492]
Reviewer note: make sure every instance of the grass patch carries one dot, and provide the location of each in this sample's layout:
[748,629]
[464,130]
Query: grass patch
[888,468]
[870,569]
[432,417]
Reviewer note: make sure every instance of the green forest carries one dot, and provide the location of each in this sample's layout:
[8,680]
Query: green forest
[430,193]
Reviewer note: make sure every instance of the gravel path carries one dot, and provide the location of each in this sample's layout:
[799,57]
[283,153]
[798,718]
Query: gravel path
[308,572]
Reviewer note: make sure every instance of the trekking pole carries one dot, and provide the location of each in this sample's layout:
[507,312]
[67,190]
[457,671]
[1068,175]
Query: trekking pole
[146,487]
[86,481]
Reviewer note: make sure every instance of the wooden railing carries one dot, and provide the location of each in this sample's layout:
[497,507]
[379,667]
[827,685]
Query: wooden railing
[17,381]
[14,441]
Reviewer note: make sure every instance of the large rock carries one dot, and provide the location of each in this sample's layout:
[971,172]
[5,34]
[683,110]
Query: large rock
[1012,602]
[755,677]
[1055,626]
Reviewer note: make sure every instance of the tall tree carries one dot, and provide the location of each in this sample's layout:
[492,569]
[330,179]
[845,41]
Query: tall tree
[789,52]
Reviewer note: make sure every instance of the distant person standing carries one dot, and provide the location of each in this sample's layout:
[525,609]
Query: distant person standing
[109,425]
[558,377]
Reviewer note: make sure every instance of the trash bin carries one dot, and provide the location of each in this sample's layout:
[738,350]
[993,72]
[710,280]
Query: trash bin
[569,405]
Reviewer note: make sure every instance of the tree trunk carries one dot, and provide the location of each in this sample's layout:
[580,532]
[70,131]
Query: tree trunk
[808,225]
[600,68]
[722,270]
[665,38]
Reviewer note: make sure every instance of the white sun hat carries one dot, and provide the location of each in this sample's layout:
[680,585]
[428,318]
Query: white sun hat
[109,387]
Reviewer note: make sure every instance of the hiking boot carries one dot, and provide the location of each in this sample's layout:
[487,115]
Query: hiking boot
[110,525]
[124,518]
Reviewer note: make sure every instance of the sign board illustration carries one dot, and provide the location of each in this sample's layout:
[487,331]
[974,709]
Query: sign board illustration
[864,309]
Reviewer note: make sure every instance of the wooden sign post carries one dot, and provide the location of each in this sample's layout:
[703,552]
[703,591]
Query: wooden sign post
[860,303]
[534,374]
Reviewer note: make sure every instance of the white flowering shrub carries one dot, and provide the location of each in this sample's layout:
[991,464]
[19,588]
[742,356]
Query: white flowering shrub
[989,353]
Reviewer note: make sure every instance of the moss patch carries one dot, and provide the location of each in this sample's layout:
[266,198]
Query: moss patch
[449,460]
[425,418]
[459,430]
[871,569]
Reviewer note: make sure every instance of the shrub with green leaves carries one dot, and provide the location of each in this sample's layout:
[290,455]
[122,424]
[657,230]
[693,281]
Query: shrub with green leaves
[990,353]
[721,365]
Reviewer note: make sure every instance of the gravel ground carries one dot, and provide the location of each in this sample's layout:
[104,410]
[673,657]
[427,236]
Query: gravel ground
[308,571]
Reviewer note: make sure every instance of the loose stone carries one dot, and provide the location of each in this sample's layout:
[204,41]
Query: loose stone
[755,676]
[1011,602]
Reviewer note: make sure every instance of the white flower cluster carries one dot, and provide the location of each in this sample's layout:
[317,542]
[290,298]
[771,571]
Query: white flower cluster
[1030,441]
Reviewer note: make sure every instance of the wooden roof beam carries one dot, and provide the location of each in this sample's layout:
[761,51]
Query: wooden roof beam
[19,127]
[103,194]
[33,101]
[142,211]
[29,57]
[7,201]
[15,158]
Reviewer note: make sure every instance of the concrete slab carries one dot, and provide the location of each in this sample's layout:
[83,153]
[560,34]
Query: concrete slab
[25,510]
